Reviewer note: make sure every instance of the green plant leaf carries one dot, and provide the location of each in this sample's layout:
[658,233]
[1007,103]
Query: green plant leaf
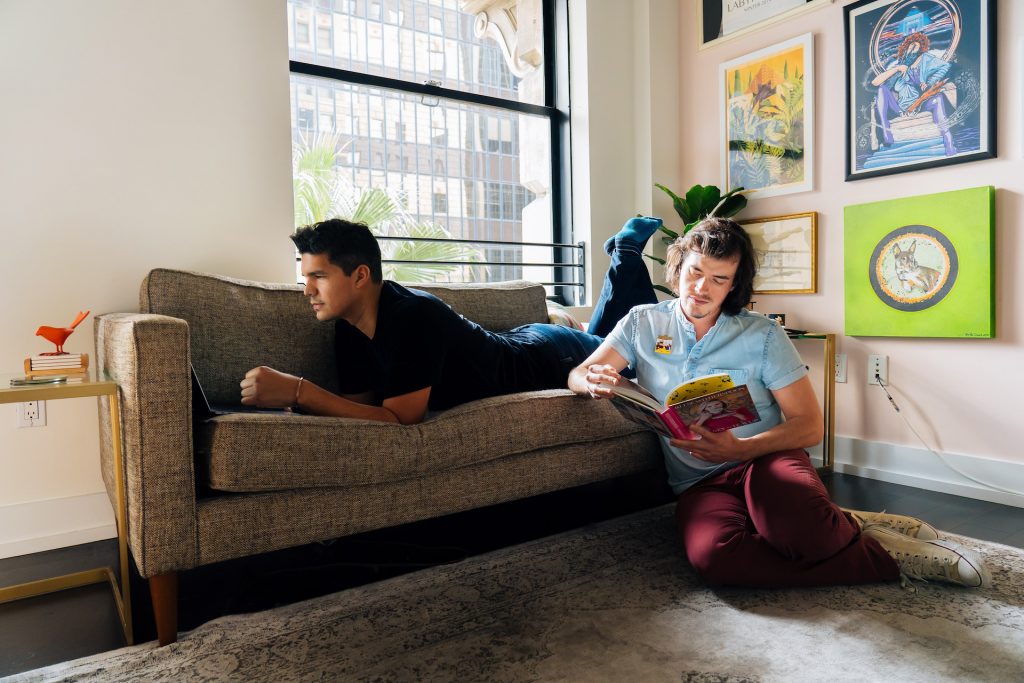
[672,234]
[678,203]
[665,290]
[731,204]
[654,258]
[702,200]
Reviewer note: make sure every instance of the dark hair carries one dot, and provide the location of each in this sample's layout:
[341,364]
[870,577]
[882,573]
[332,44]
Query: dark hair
[719,238]
[347,245]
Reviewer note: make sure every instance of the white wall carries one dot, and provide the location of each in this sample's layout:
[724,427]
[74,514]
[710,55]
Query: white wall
[134,135]
[961,395]
[625,108]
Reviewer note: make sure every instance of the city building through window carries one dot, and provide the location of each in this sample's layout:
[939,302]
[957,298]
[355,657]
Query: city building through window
[447,114]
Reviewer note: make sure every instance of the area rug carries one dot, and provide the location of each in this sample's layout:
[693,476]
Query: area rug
[614,601]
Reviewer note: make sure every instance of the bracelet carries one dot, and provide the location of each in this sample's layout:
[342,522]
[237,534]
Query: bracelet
[298,388]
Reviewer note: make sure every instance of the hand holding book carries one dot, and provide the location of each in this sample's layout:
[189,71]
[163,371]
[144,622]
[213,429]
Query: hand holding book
[712,403]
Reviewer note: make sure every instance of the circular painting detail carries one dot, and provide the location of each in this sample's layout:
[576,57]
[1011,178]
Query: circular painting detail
[913,267]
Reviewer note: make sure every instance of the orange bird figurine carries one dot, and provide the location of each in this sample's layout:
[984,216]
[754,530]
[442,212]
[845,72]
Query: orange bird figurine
[59,335]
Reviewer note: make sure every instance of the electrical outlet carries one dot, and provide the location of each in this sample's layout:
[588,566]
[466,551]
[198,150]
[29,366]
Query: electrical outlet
[840,367]
[878,365]
[32,414]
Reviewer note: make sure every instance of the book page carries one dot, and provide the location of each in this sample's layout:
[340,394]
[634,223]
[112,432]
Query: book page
[637,393]
[708,384]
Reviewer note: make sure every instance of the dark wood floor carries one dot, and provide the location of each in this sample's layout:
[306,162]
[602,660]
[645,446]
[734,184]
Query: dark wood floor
[83,621]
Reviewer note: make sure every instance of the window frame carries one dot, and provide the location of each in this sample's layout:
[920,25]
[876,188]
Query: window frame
[555,109]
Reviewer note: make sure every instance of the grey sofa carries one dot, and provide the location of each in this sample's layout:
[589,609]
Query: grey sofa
[252,483]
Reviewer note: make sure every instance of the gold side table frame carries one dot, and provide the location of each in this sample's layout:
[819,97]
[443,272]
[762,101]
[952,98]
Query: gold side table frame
[828,385]
[80,388]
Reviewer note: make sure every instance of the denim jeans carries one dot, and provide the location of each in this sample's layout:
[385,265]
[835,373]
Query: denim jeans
[626,284]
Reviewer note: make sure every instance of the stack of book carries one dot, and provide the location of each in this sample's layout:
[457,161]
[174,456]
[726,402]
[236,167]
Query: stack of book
[63,364]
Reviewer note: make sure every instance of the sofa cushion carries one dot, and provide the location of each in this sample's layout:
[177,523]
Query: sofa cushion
[494,306]
[262,452]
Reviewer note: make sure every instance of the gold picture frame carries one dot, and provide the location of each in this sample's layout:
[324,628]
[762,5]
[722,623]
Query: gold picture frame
[787,253]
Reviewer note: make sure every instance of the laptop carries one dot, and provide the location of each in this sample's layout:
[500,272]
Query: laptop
[203,410]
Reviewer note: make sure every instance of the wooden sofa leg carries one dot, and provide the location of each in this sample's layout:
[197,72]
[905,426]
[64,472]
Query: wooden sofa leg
[163,589]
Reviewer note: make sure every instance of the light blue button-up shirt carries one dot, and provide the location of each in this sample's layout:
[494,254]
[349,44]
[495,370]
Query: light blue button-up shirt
[752,349]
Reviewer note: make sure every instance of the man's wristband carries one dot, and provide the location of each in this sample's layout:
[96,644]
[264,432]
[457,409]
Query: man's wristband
[298,388]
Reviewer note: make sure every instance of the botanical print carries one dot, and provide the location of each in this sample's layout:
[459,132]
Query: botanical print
[767,99]
[918,77]
[921,266]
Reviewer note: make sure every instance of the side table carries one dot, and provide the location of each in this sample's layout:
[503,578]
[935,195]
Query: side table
[80,387]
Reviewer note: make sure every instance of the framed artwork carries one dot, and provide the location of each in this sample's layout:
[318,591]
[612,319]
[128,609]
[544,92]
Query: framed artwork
[786,248]
[768,119]
[921,266]
[721,20]
[920,84]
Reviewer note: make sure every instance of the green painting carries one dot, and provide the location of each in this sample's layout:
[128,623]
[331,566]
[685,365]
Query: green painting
[921,266]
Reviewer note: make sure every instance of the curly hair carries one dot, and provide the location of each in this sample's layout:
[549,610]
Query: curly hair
[347,245]
[916,37]
[719,238]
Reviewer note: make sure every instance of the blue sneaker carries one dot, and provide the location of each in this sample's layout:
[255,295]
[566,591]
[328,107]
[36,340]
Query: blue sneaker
[634,234]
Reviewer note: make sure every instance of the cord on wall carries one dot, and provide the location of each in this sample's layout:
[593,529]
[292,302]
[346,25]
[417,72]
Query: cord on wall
[878,380]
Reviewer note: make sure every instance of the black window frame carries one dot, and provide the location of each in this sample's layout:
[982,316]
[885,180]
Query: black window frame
[555,109]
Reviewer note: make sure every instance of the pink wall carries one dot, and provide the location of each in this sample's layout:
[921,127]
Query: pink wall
[961,395]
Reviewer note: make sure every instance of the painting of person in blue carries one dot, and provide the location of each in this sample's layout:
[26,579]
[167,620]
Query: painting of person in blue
[913,81]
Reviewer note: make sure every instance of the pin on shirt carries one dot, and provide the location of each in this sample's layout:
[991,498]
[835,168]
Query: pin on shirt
[663,345]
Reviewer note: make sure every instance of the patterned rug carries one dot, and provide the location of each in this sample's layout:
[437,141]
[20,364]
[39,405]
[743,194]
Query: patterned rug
[610,602]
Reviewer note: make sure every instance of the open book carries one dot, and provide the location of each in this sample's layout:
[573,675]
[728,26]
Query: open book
[712,401]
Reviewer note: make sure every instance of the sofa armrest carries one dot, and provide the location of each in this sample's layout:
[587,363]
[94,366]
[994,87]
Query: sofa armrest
[148,356]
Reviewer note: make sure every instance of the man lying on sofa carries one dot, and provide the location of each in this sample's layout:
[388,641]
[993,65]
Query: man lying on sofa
[402,351]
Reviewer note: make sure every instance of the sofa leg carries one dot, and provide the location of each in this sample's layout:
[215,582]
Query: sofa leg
[163,589]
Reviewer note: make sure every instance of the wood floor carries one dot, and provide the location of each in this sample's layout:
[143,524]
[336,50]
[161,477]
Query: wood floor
[83,621]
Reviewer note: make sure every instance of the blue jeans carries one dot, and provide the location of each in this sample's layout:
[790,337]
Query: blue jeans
[626,284]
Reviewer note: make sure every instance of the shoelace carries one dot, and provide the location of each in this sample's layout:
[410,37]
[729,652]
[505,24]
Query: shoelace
[902,526]
[913,566]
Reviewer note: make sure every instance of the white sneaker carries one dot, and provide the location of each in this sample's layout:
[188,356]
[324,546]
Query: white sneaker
[908,526]
[931,560]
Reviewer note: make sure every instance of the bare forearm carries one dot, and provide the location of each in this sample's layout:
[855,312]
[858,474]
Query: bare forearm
[318,401]
[798,432]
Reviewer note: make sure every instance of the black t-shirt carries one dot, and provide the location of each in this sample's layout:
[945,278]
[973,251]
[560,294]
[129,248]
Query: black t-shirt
[421,342]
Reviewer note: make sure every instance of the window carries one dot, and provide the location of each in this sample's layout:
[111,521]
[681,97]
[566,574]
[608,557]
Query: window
[324,36]
[440,202]
[411,103]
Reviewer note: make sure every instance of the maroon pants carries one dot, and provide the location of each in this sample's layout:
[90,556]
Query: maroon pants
[770,523]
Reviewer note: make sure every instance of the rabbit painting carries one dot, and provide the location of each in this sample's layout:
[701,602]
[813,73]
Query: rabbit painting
[910,274]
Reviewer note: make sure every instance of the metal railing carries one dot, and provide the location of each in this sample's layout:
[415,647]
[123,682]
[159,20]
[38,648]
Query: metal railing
[569,281]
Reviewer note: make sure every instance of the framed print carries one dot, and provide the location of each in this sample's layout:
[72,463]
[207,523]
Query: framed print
[921,266]
[768,119]
[787,248]
[721,20]
[920,84]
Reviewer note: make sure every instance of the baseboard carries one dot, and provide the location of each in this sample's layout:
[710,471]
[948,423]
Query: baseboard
[41,525]
[921,468]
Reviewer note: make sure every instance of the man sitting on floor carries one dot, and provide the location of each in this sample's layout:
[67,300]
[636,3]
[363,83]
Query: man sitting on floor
[751,509]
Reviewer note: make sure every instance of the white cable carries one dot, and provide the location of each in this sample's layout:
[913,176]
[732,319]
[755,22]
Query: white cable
[936,453]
